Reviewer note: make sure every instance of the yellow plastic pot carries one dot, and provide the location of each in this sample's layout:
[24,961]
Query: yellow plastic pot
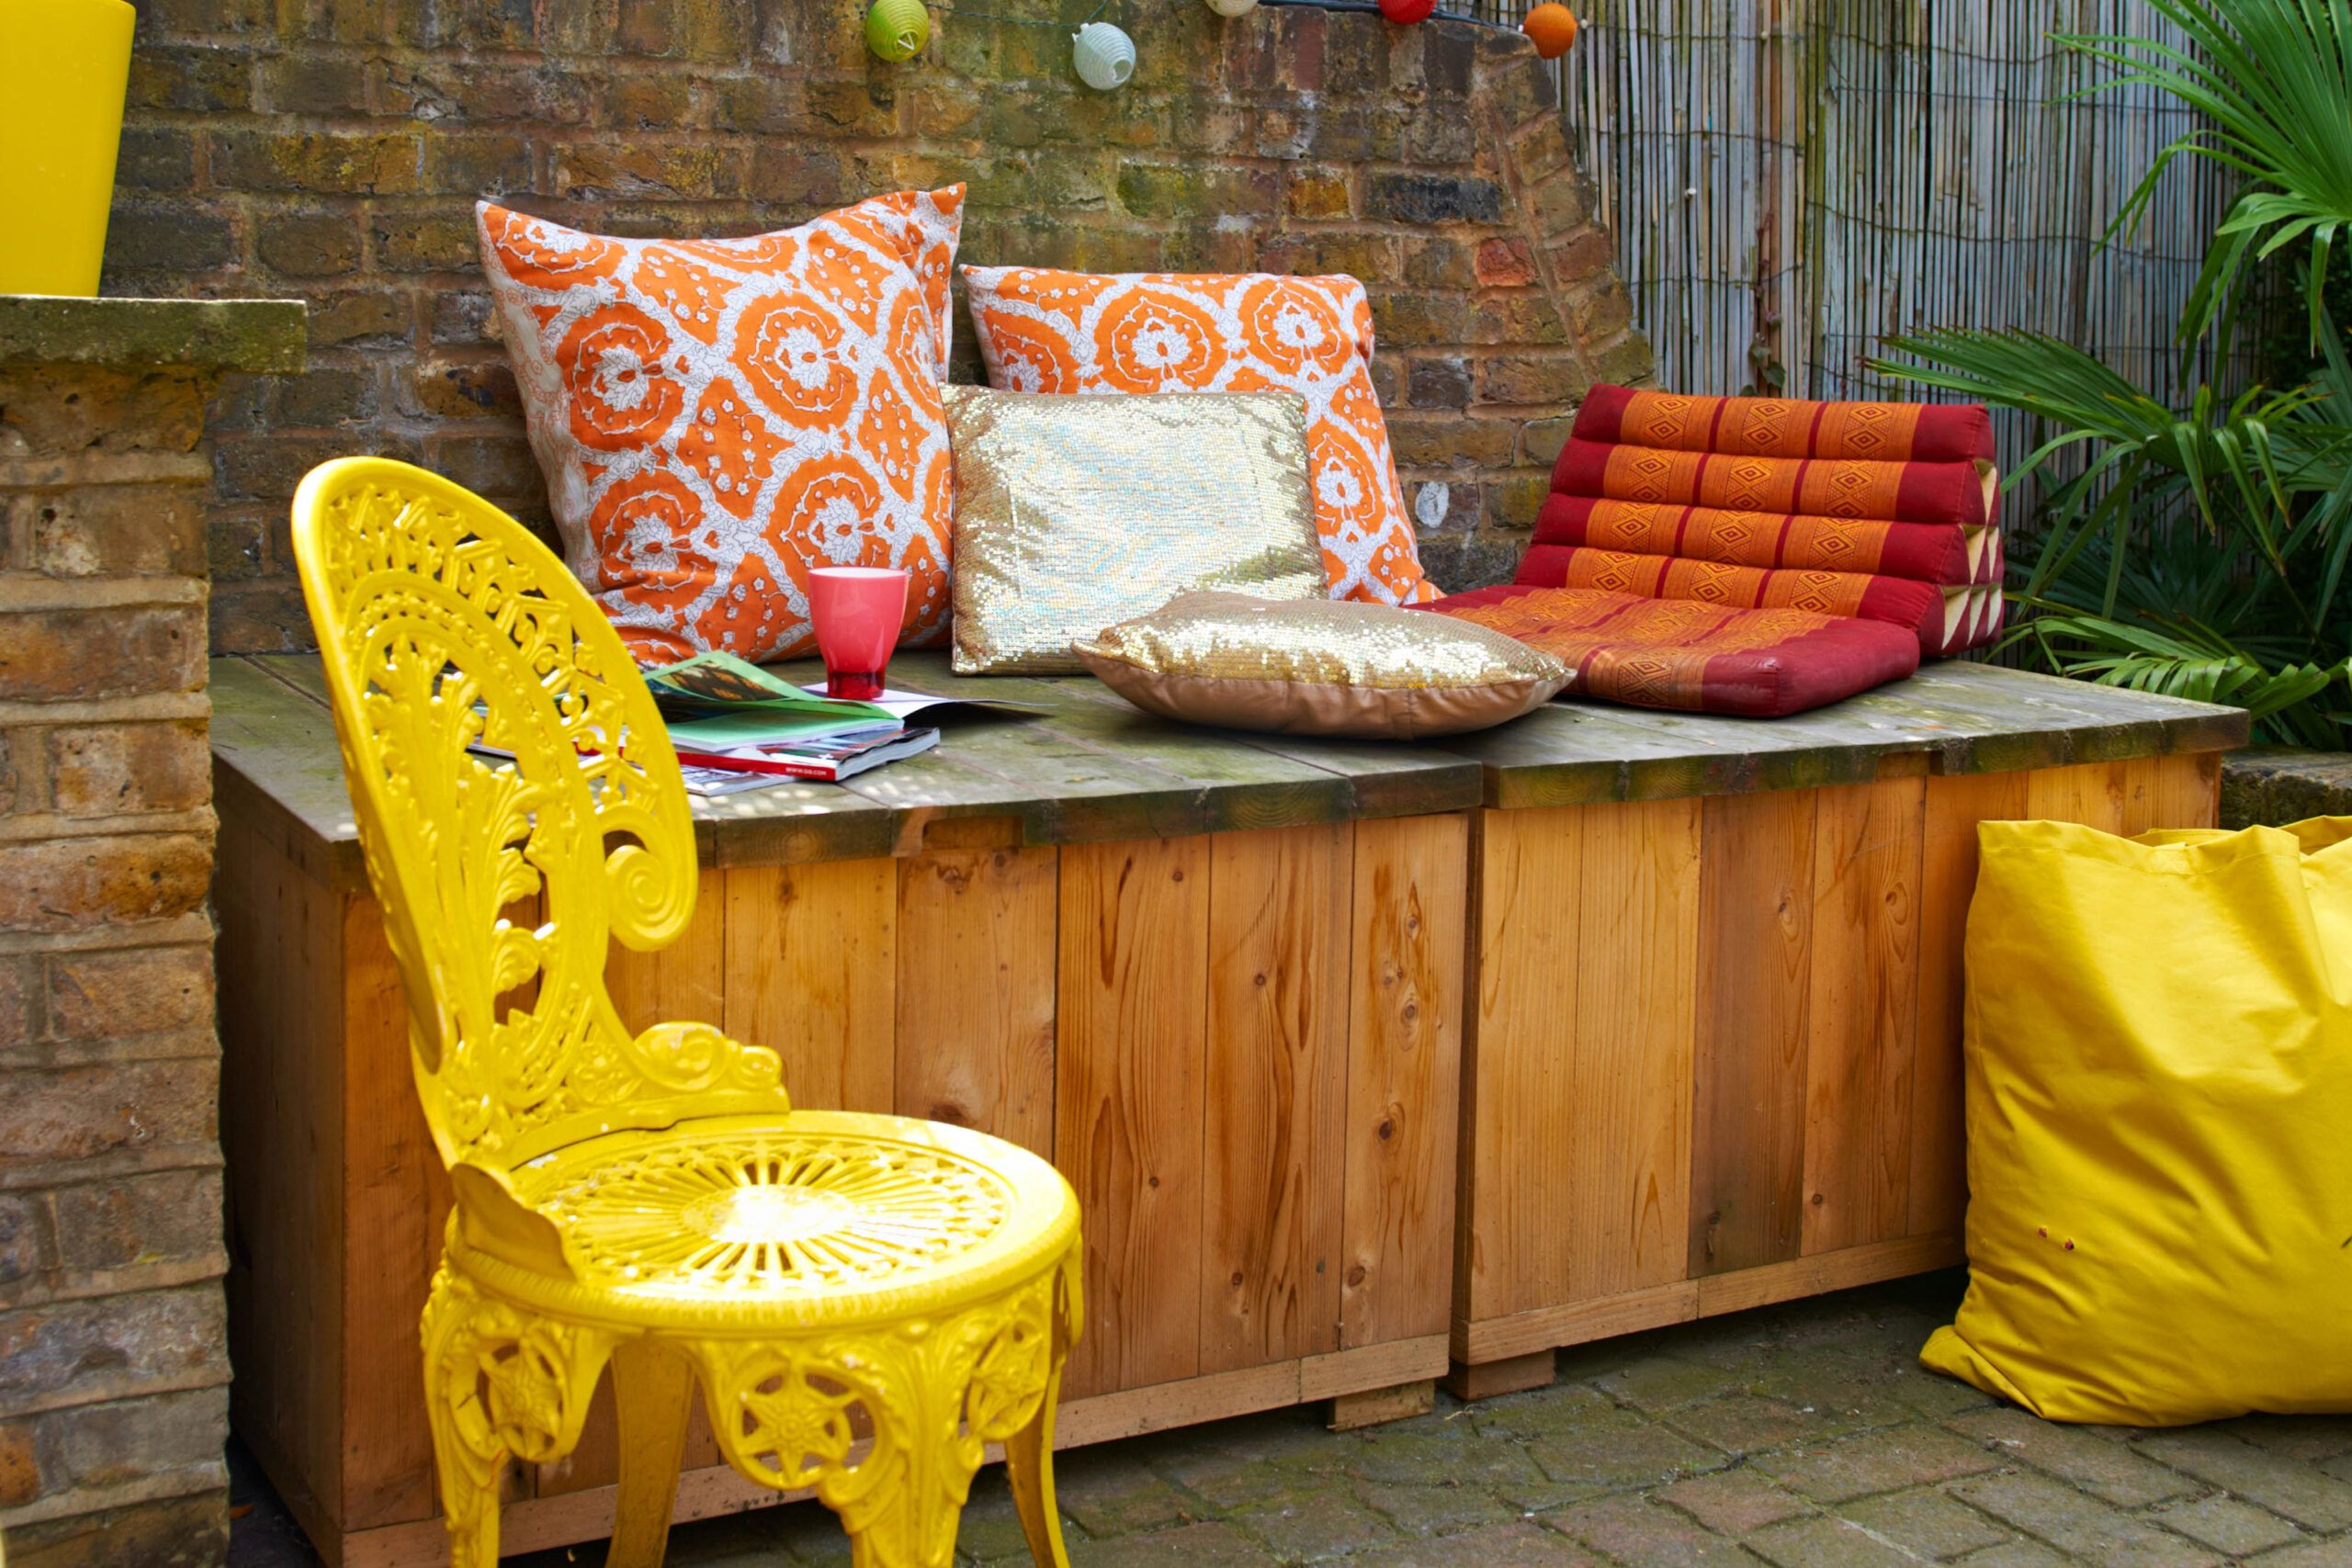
[63,66]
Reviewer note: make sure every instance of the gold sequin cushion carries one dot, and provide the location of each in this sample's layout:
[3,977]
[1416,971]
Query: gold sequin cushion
[1072,513]
[1324,668]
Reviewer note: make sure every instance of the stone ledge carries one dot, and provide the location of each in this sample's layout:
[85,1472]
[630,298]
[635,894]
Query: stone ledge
[2274,786]
[218,334]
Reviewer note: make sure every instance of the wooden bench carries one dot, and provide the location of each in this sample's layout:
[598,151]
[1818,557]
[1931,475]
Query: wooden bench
[1365,1059]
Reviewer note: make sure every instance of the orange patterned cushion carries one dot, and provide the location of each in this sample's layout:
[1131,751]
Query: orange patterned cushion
[714,417]
[1787,427]
[1069,332]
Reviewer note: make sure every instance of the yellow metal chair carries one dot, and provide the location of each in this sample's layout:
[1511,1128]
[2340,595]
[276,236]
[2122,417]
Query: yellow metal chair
[865,1301]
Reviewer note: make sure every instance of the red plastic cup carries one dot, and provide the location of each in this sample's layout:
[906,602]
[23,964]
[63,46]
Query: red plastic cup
[856,611]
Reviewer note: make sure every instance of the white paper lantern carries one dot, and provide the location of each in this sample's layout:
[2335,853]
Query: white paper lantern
[1233,7]
[1105,56]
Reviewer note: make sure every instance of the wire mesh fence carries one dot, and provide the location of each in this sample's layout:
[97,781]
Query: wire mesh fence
[1791,182]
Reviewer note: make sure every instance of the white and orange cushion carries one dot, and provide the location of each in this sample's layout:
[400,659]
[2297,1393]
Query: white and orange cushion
[716,417]
[1044,330]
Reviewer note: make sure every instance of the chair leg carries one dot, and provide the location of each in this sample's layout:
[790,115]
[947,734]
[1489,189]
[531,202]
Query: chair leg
[467,1455]
[653,1391]
[1029,1469]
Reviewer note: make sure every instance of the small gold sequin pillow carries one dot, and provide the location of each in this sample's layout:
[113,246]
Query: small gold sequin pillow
[1075,511]
[1321,668]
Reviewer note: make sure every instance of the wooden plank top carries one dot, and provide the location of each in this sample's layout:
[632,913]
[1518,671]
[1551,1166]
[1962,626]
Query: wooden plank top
[1092,768]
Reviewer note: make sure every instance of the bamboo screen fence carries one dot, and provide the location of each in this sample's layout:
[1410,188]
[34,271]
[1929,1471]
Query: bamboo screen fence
[1791,181]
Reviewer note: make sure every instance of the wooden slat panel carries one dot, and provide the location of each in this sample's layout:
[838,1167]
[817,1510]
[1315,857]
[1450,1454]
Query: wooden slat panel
[976,991]
[1519,1124]
[811,965]
[684,982]
[1754,977]
[2090,792]
[2179,791]
[1127,1100]
[396,1204]
[1627,1203]
[1938,1196]
[1277,1056]
[280,961]
[1863,1013]
[1404,1076]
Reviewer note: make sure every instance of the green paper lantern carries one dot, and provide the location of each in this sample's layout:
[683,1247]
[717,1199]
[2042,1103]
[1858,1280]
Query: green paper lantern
[896,30]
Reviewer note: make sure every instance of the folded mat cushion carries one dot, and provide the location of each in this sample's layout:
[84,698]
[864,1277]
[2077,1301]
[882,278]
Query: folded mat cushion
[1957,493]
[1680,653]
[1788,427]
[1943,616]
[1925,552]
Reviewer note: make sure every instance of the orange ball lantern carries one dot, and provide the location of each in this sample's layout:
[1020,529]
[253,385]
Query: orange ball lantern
[1553,27]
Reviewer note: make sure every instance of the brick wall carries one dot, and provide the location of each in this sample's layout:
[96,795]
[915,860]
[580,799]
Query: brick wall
[113,1356]
[333,151]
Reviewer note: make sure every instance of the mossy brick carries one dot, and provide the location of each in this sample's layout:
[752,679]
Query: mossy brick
[1439,261]
[121,1444]
[67,410]
[1505,261]
[494,465]
[269,465]
[686,29]
[262,616]
[424,237]
[1440,134]
[233,543]
[2293,1490]
[1596,310]
[486,25]
[863,108]
[327,396]
[1452,441]
[1371,258]
[1517,88]
[1415,319]
[461,316]
[1212,129]
[1625,362]
[353,163]
[308,244]
[1540,150]
[117,651]
[315,83]
[1355,61]
[1513,500]
[155,158]
[800,176]
[463,389]
[1317,193]
[1582,254]
[1434,198]
[167,239]
[2082,1527]
[189,1531]
[20,1468]
[2108,1471]
[663,100]
[597,171]
[1528,320]
[1439,382]
[1522,1543]
[1560,203]
[136,1221]
[359,315]
[1540,440]
[109,530]
[189,77]
[122,768]
[125,1345]
[476,164]
[1530,378]
[1170,191]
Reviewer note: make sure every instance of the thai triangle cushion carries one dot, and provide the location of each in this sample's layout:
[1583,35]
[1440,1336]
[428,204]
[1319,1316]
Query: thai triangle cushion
[1044,330]
[716,417]
[1788,427]
[1680,653]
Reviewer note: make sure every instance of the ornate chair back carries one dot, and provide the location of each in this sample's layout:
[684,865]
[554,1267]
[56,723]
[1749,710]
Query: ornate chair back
[445,626]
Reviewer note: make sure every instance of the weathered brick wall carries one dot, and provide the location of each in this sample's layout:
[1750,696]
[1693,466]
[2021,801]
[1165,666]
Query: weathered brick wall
[334,151]
[113,1355]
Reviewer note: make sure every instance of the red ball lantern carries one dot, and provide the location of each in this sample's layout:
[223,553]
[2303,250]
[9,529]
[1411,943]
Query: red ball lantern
[1405,12]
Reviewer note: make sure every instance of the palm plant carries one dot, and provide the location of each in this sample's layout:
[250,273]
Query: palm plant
[2199,547]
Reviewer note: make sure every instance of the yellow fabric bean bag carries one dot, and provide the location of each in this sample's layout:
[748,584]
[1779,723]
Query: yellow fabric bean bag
[2159,1061]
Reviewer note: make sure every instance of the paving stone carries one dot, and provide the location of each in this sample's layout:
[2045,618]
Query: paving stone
[1825,1543]
[2307,1438]
[2334,1553]
[1234,1462]
[1309,1526]
[1540,1413]
[1109,1495]
[1749,1423]
[1420,1458]
[1621,1455]
[1926,1524]
[2078,1525]
[2227,1525]
[1601,1357]
[1854,1391]
[1657,1383]
[1522,1544]
[1440,1509]
[2303,1493]
[990,1526]
[2077,1455]
[1734,1501]
[1876,1462]
[1208,1545]
[2017,1553]
[1642,1534]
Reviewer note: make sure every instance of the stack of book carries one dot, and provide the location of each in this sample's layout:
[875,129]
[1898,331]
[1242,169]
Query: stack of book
[736,727]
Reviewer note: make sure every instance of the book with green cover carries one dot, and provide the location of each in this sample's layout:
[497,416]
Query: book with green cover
[715,701]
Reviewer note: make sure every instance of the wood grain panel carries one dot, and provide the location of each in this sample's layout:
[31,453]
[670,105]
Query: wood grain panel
[1955,805]
[1276,1081]
[976,991]
[1127,1100]
[395,1206]
[2090,793]
[1863,1012]
[2179,791]
[811,965]
[1410,896]
[1519,1123]
[1755,977]
[684,982]
[1627,1203]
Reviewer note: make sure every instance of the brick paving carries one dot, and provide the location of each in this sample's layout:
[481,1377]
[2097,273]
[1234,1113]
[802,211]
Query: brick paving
[1800,1436]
